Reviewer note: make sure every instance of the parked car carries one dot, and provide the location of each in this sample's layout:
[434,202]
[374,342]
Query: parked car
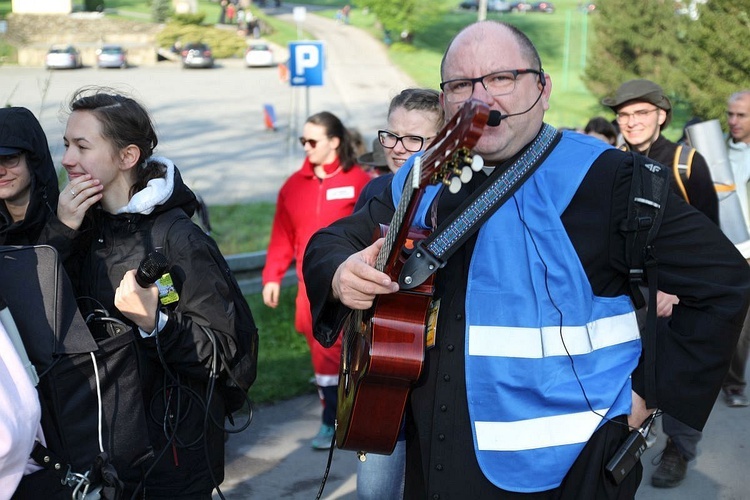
[492,5]
[63,57]
[111,56]
[520,7]
[197,55]
[259,55]
[545,7]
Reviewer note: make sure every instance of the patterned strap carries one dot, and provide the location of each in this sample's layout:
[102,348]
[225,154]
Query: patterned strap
[432,253]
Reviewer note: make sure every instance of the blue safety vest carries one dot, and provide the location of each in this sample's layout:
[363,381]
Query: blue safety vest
[536,333]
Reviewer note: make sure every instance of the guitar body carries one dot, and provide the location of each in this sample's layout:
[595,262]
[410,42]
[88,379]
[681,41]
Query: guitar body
[382,348]
[385,358]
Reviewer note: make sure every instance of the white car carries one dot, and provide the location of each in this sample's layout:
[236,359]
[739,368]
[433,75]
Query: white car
[63,57]
[259,55]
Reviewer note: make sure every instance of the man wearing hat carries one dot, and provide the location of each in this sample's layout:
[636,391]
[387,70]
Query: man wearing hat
[643,111]
[378,168]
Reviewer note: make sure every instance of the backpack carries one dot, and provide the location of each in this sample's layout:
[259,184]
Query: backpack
[682,166]
[649,188]
[238,373]
[89,387]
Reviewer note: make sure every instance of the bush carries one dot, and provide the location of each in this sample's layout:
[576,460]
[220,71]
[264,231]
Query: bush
[223,43]
[93,5]
[196,18]
[8,53]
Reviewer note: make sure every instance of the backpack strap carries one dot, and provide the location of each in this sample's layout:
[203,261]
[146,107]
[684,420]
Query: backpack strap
[163,223]
[649,188]
[682,166]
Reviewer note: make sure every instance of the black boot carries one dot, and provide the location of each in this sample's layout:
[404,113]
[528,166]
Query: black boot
[672,468]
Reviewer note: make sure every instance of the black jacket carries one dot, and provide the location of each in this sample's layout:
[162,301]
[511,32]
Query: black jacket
[109,246]
[20,129]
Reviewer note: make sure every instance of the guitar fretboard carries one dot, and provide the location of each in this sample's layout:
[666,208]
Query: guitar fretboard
[398,217]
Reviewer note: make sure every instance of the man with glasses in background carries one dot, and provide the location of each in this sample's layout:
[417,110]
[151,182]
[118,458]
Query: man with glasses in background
[526,386]
[738,151]
[643,111]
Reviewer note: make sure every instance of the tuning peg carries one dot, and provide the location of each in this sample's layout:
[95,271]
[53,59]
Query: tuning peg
[466,174]
[455,185]
[477,163]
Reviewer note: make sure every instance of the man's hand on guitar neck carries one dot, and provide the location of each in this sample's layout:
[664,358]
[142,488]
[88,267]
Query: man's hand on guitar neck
[356,282]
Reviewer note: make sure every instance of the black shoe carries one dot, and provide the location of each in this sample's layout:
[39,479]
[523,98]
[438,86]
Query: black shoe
[672,468]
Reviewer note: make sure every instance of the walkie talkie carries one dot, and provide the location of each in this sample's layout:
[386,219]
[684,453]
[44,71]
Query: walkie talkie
[630,452]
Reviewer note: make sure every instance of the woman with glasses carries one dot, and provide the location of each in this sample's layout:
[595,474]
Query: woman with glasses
[414,118]
[321,192]
[28,182]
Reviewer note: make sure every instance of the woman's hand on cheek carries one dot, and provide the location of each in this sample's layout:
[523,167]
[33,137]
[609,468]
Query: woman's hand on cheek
[76,198]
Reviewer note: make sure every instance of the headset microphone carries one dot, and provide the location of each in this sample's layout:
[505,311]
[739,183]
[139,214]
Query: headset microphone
[496,117]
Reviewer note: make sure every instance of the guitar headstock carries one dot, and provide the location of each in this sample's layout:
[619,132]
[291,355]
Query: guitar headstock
[448,160]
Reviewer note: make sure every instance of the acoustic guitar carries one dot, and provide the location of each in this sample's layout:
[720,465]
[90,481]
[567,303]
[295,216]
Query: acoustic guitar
[383,347]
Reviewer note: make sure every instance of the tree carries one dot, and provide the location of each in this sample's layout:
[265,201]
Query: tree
[699,62]
[634,40]
[715,60]
[160,10]
[93,5]
[403,17]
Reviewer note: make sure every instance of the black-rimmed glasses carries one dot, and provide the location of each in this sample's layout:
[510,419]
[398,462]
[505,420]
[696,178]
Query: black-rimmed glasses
[10,161]
[411,143]
[496,84]
[304,141]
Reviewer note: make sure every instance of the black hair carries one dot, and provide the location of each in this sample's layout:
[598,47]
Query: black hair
[124,122]
[334,128]
[602,126]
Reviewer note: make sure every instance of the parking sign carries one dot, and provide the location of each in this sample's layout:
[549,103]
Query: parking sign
[306,63]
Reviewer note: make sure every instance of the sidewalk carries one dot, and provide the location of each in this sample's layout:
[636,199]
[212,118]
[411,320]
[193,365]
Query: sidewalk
[273,459]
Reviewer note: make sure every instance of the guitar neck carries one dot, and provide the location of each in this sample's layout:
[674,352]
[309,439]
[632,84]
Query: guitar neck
[406,205]
[437,165]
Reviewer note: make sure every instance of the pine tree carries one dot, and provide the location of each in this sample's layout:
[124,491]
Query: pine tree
[699,62]
[715,58]
[634,39]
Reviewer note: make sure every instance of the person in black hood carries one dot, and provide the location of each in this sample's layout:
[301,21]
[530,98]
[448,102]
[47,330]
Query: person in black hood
[28,182]
[109,143]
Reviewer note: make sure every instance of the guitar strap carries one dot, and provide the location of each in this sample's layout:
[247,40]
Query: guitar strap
[432,253]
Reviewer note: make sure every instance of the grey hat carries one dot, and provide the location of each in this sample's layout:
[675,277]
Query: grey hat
[641,91]
[5,151]
[374,158]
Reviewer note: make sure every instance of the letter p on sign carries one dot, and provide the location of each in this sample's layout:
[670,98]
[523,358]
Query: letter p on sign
[306,63]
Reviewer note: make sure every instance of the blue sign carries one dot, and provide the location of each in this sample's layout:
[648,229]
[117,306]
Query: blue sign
[306,63]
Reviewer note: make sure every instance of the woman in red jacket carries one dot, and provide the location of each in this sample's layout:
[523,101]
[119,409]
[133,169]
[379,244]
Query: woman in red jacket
[321,192]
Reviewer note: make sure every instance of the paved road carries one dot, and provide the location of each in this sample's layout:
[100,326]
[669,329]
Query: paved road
[272,459]
[210,122]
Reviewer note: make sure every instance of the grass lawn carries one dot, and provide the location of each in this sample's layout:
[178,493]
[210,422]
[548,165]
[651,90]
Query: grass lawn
[284,366]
